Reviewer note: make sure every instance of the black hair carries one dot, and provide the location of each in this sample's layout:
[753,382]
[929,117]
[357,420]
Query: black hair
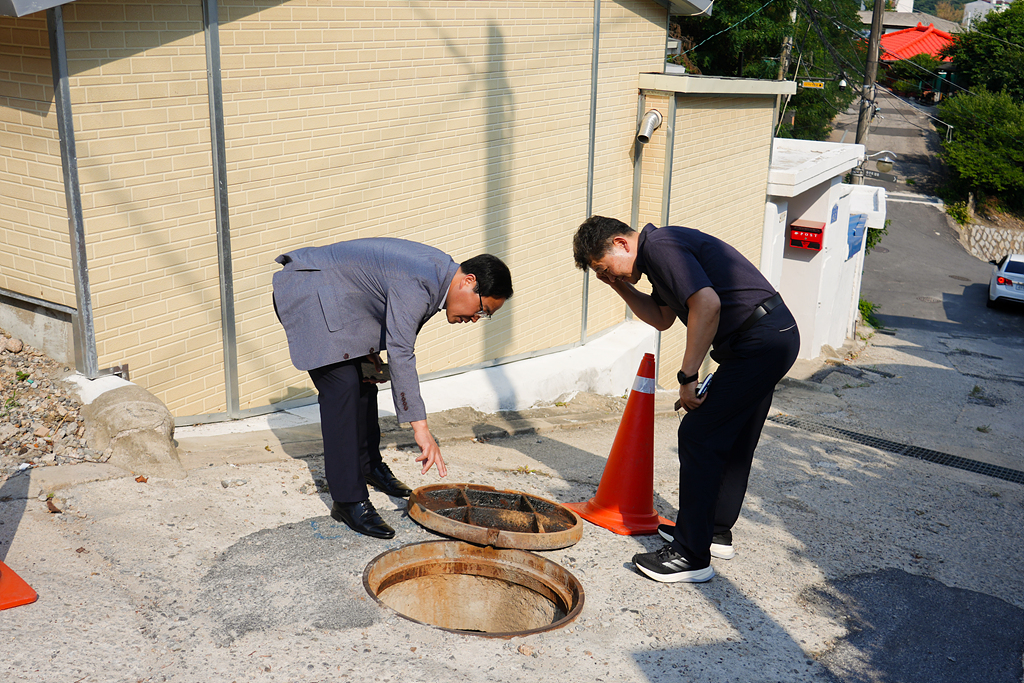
[594,238]
[493,278]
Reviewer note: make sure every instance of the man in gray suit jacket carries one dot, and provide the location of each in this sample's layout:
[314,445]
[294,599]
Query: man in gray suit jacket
[343,304]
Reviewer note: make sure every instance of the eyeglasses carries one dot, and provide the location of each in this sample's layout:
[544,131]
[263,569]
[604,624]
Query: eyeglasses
[482,313]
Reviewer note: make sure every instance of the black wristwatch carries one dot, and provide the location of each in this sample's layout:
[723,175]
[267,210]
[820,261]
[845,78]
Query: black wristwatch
[683,379]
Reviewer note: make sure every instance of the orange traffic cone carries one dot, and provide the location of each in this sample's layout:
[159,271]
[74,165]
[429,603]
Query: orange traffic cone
[624,502]
[13,589]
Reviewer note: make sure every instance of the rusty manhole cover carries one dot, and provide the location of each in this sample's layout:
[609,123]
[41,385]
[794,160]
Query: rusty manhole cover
[489,516]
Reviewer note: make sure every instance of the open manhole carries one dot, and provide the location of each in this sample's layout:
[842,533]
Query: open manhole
[474,590]
[489,516]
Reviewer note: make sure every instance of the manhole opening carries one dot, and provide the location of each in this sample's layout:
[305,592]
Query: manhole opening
[474,590]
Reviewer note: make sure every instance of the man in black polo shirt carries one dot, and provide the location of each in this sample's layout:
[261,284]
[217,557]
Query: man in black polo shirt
[724,301]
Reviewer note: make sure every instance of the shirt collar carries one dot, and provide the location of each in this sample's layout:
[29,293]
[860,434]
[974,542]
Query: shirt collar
[444,299]
[640,243]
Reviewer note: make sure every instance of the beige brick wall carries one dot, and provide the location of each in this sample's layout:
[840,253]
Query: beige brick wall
[720,175]
[463,125]
[138,86]
[35,258]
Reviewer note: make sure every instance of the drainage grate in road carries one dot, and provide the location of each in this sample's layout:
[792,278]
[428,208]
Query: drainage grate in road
[937,457]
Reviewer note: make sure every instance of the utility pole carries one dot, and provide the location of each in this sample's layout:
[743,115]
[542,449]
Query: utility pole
[867,97]
[787,47]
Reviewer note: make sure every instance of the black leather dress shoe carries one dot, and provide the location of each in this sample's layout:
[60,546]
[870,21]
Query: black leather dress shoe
[383,479]
[363,518]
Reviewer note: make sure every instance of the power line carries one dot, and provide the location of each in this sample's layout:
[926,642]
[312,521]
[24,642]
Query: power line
[729,28]
[989,35]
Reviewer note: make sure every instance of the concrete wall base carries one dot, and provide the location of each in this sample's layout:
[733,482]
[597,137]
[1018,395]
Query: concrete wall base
[46,329]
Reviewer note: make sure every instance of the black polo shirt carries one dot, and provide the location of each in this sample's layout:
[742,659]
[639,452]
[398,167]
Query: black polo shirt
[680,261]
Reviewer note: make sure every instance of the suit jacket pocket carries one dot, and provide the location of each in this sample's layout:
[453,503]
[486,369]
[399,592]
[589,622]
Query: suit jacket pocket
[344,309]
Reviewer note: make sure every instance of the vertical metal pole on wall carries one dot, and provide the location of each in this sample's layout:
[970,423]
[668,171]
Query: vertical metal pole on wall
[211,27]
[86,359]
[666,189]
[590,156]
[638,156]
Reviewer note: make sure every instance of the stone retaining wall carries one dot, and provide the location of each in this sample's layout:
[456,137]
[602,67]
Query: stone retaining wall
[991,244]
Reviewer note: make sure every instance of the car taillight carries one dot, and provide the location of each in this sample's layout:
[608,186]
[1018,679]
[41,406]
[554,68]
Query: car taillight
[1004,281]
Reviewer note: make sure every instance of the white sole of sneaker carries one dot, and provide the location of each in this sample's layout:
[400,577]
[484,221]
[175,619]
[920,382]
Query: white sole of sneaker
[695,576]
[722,552]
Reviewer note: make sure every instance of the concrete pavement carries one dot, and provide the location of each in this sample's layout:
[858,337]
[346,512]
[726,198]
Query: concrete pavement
[853,563]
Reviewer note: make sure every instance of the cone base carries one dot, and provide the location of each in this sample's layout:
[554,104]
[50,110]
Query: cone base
[13,589]
[617,522]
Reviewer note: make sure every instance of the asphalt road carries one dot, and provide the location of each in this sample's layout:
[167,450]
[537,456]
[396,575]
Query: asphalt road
[921,277]
[931,294]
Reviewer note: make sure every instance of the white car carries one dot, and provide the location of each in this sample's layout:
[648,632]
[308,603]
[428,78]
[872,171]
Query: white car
[1007,282]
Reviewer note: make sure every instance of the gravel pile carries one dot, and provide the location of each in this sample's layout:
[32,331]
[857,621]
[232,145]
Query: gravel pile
[40,424]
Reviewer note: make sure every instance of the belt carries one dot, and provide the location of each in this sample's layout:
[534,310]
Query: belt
[760,311]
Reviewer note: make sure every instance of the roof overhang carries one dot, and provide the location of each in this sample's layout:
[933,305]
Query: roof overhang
[799,165]
[689,8]
[693,84]
[21,8]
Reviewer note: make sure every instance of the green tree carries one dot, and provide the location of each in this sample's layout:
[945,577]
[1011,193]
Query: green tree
[913,76]
[986,151]
[991,54]
[745,37]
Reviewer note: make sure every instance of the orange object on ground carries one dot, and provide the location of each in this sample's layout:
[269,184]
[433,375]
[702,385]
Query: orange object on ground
[624,502]
[13,589]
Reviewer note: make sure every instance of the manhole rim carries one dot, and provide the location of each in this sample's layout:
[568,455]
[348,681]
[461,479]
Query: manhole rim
[491,536]
[572,610]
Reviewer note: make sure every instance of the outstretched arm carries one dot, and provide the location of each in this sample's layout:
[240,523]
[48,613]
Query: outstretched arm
[430,452]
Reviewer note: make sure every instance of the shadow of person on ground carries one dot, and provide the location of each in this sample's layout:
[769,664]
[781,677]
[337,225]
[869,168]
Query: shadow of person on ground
[13,501]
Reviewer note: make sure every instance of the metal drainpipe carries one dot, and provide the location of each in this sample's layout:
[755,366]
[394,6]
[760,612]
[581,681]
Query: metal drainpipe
[86,359]
[211,28]
[666,190]
[590,157]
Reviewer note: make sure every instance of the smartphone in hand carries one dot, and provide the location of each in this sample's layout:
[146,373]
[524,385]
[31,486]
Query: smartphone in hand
[369,372]
[702,389]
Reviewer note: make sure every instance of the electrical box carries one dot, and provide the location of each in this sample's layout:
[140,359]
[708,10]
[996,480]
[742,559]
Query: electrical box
[806,234]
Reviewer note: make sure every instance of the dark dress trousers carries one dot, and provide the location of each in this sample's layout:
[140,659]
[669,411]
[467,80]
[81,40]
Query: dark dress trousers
[717,440]
[340,303]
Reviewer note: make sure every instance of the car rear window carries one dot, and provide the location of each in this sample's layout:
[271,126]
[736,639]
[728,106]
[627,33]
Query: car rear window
[1016,267]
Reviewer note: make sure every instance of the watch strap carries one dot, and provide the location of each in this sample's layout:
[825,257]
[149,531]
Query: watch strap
[684,379]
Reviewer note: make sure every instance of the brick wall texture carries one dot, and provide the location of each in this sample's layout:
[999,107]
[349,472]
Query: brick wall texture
[35,257]
[719,180]
[463,125]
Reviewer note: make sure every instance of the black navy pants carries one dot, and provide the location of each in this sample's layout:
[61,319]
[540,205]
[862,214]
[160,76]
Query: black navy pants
[717,440]
[348,422]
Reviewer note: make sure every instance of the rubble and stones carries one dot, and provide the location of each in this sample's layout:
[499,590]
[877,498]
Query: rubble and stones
[40,424]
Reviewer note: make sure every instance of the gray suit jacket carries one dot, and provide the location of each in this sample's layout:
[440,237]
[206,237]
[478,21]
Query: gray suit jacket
[355,298]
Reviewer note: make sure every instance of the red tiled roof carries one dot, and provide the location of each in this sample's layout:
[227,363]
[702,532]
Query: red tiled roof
[914,41]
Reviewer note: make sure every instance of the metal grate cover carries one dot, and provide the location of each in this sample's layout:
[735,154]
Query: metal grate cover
[937,457]
[489,516]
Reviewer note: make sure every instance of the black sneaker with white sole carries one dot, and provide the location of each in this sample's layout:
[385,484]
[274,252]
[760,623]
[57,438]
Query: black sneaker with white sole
[721,544]
[668,566]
